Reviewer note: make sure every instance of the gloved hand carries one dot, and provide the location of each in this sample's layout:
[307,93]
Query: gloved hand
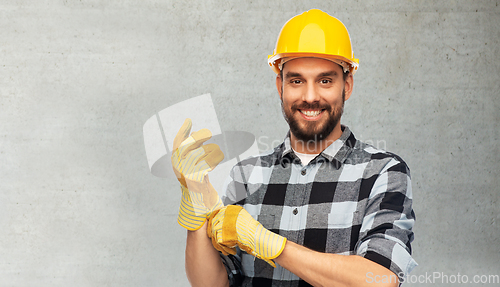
[191,161]
[233,226]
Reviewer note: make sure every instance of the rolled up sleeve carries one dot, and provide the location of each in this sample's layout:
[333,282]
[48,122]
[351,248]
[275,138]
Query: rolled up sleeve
[386,232]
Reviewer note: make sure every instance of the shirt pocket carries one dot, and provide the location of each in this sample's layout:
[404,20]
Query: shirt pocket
[267,220]
[342,220]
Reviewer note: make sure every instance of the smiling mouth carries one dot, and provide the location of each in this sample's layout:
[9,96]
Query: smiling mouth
[311,113]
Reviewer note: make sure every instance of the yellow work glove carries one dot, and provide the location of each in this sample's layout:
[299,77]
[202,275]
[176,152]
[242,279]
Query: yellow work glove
[191,161]
[233,226]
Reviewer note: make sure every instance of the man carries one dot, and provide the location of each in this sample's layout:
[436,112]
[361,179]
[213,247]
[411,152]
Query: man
[322,208]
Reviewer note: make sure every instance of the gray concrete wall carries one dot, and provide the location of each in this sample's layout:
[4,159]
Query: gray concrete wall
[78,79]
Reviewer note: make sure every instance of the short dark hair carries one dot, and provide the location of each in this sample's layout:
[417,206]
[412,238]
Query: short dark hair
[346,74]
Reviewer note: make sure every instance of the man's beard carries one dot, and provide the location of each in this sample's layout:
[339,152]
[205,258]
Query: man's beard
[313,131]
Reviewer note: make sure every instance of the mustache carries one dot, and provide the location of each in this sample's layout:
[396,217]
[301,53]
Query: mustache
[309,106]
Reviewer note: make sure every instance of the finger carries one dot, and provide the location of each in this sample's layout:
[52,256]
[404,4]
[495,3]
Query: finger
[213,155]
[224,249]
[229,250]
[199,138]
[210,223]
[183,133]
[218,247]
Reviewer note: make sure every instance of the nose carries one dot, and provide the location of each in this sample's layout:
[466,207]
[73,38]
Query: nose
[310,94]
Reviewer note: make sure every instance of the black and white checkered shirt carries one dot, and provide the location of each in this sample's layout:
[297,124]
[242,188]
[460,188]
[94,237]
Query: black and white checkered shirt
[352,199]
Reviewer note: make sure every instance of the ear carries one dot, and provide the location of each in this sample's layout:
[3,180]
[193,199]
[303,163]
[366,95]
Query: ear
[279,85]
[348,86]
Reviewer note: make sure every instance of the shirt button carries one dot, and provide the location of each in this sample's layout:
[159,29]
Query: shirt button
[295,211]
[303,172]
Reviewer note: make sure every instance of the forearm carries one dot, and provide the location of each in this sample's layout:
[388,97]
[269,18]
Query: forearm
[323,269]
[203,263]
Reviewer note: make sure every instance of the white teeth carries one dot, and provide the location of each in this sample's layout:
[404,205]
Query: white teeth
[311,113]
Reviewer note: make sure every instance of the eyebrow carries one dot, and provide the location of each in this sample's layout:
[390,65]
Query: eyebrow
[292,75]
[328,74]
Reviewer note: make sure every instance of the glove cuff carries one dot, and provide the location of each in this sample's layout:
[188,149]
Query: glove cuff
[189,218]
[192,211]
[273,243]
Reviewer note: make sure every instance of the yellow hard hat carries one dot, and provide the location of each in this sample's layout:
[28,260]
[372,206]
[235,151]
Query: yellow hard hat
[314,34]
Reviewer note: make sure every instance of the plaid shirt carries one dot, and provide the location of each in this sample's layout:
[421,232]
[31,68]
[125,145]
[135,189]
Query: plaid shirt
[352,199]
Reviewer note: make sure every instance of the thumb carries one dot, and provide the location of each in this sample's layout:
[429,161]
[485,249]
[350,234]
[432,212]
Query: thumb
[183,133]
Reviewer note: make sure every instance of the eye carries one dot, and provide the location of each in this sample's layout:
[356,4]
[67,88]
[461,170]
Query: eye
[296,82]
[325,81]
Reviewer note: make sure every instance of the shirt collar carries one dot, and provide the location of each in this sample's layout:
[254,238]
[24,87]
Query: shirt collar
[338,151]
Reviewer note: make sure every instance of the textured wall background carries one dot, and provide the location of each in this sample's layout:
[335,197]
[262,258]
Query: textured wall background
[78,79]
